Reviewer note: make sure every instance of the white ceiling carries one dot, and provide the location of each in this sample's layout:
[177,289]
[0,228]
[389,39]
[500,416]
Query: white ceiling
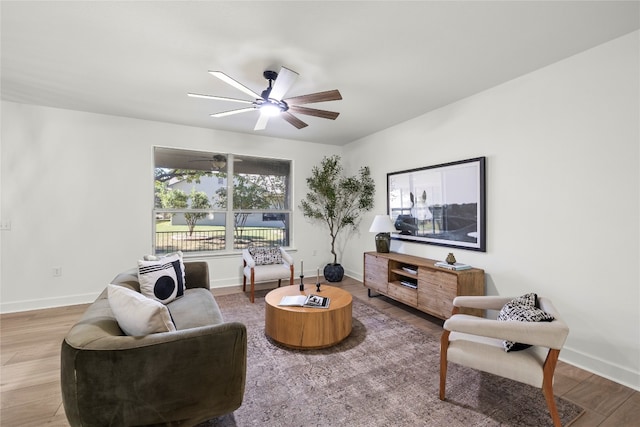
[391,60]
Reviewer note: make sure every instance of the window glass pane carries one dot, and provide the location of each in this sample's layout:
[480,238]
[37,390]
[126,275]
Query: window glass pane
[192,205]
[173,231]
[251,228]
[261,183]
[184,170]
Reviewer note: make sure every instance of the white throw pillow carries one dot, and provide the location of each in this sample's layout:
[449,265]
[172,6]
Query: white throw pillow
[136,314]
[162,279]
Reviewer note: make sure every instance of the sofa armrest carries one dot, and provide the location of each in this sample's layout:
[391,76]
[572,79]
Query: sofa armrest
[197,274]
[205,366]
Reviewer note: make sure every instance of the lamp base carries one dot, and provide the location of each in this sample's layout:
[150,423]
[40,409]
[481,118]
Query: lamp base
[383,242]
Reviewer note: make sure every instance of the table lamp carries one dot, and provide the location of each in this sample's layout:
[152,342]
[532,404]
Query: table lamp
[383,226]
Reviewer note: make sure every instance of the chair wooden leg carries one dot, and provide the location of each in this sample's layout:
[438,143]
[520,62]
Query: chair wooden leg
[253,280]
[444,346]
[547,385]
[244,277]
[291,277]
[279,282]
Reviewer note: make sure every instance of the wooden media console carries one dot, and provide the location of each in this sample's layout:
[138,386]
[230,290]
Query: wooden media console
[417,282]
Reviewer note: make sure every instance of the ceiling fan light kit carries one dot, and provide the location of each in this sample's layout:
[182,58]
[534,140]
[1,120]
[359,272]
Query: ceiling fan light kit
[271,103]
[272,109]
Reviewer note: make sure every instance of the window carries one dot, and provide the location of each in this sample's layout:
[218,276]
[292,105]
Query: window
[198,209]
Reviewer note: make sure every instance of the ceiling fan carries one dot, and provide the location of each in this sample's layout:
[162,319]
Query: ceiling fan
[270,102]
[217,162]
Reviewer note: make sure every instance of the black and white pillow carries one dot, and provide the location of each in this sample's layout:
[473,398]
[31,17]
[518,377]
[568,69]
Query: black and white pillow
[522,309]
[266,256]
[159,257]
[162,279]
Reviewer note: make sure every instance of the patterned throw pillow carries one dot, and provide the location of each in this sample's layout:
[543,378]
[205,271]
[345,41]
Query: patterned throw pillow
[266,256]
[522,309]
[162,279]
[158,258]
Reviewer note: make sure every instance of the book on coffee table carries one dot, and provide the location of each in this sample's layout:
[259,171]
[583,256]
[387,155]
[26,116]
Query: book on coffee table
[315,301]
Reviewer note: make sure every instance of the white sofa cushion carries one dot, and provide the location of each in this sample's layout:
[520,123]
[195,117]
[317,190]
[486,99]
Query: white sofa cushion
[268,272]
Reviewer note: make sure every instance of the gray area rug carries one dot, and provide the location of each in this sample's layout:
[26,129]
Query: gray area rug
[386,373]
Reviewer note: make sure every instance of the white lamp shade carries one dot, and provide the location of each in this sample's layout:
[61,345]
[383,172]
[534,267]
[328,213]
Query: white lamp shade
[382,224]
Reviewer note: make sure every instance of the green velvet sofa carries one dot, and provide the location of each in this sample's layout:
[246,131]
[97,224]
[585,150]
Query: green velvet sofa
[176,378]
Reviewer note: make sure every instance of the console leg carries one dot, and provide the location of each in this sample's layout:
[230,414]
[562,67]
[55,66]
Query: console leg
[369,293]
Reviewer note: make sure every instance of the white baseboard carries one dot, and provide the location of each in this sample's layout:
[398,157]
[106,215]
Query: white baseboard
[354,274]
[42,303]
[603,368]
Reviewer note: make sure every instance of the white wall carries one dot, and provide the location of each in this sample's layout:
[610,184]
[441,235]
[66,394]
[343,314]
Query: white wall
[78,190]
[562,148]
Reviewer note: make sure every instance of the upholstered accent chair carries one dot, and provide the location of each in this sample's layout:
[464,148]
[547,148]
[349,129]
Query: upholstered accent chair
[265,264]
[479,343]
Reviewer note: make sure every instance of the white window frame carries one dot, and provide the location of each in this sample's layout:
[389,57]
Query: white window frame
[229,212]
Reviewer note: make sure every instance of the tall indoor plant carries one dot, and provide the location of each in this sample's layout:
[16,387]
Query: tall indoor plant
[337,201]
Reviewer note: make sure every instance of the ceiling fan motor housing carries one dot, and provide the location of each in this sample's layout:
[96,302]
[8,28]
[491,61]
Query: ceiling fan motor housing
[270,75]
[266,101]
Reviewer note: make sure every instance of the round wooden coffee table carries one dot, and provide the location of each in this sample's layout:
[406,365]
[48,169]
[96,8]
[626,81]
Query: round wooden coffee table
[304,327]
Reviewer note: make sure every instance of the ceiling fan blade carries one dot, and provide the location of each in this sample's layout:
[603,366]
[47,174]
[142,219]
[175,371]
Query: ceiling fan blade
[218,98]
[330,95]
[232,112]
[222,76]
[283,83]
[314,112]
[293,120]
[261,124]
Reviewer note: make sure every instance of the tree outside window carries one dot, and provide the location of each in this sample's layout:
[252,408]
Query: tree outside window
[252,193]
[190,188]
[178,199]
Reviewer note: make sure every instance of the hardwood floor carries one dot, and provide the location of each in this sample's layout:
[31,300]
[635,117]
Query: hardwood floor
[30,367]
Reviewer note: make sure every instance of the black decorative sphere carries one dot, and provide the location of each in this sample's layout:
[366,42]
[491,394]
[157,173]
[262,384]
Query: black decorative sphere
[333,272]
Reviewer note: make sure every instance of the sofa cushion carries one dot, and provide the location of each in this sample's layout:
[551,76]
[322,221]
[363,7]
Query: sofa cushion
[196,308]
[266,256]
[162,279]
[522,309]
[136,314]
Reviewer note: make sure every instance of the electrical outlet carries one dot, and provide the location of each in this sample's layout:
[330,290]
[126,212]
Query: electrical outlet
[56,271]
[315,252]
[5,225]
